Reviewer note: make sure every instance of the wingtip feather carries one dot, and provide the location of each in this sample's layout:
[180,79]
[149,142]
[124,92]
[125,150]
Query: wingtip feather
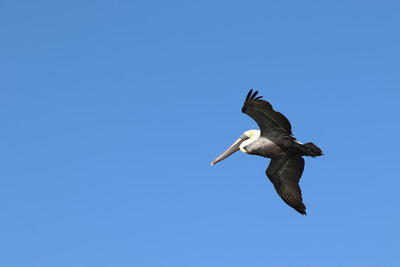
[253,95]
[249,94]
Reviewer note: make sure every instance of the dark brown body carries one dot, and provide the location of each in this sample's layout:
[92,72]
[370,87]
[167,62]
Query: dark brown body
[266,148]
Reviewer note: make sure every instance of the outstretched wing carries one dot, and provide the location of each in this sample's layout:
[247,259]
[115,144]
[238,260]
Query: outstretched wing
[285,174]
[269,120]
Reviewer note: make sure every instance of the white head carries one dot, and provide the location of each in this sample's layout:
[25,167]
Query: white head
[252,135]
[245,139]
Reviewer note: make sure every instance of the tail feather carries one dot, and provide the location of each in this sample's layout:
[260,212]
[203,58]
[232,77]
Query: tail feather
[310,149]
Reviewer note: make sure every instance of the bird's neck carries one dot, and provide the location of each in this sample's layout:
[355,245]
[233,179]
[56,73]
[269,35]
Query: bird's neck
[254,135]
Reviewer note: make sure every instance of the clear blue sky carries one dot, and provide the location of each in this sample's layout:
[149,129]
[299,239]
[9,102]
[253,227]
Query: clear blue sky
[111,112]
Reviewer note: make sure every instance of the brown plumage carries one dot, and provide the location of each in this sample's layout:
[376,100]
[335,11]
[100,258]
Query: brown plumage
[275,141]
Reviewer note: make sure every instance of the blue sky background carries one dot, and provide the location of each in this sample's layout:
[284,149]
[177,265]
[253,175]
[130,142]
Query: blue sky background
[111,112]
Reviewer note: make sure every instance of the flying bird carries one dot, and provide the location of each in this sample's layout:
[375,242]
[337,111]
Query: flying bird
[274,140]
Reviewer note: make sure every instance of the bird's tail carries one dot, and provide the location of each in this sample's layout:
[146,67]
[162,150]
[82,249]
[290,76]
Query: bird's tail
[310,149]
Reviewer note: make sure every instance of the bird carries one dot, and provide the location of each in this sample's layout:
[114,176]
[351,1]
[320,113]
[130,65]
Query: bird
[274,140]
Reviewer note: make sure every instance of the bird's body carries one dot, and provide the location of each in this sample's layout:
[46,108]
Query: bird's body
[274,140]
[266,148]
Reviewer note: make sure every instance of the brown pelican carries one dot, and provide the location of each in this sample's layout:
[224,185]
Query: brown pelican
[274,140]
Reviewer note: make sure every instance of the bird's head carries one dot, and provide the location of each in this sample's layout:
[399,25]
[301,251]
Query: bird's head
[245,139]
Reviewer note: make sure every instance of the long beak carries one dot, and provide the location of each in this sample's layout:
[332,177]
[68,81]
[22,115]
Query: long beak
[232,149]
